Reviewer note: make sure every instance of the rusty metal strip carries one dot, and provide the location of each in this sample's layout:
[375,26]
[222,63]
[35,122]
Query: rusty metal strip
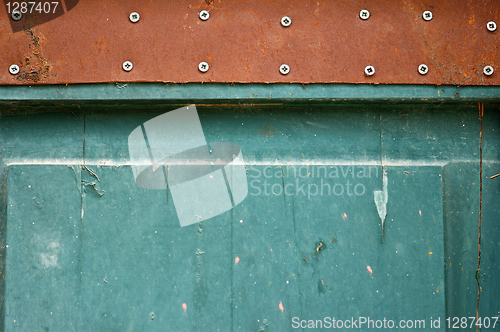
[243,41]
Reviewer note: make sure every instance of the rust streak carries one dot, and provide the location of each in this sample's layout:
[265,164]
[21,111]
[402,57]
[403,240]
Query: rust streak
[481,112]
[35,66]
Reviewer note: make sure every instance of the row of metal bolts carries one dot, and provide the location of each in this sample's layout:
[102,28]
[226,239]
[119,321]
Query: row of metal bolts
[284,69]
[286,22]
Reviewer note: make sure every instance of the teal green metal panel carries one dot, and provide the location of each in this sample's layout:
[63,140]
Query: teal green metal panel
[135,260]
[244,93]
[42,279]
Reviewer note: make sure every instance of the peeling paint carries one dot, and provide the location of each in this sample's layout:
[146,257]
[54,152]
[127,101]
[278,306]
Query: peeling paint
[381,198]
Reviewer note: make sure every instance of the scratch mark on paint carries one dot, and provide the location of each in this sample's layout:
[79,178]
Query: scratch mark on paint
[281,306]
[381,198]
[91,173]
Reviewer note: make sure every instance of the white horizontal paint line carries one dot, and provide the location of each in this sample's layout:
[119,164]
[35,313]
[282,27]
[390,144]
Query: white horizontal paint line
[283,162]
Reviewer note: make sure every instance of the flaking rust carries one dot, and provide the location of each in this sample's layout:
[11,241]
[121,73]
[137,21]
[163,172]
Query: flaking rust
[35,67]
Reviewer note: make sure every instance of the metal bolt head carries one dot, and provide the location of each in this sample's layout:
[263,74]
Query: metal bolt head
[364,14]
[423,69]
[127,66]
[369,70]
[16,15]
[134,17]
[491,26]
[204,15]
[427,15]
[284,69]
[488,70]
[286,21]
[14,69]
[203,67]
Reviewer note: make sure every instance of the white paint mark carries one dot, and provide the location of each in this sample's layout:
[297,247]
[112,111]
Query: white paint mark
[381,197]
[48,248]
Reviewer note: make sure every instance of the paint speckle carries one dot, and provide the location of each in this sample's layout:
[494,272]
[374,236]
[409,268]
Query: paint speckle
[419,212]
[236,260]
[184,307]
[281,306]
[344,216]
[430,252]
[369,269]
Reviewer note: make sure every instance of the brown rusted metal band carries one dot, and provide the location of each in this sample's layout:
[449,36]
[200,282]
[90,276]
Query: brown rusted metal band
[244,41]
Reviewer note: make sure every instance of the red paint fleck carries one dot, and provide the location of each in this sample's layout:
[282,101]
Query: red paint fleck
[281,306]
[344,216]
[369,269]
[236,260]
[184,307]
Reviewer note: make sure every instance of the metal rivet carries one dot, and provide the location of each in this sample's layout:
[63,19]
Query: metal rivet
[134,17]
[127,66]
[286,21]
[488,70]
[492,26]
[14,69]
[203,67]
[16,15]
[284,69]
[369,70]
[204,15]
[427,15]
[423,69]
[364,14]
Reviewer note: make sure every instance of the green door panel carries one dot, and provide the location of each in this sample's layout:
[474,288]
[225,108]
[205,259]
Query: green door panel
[84,248]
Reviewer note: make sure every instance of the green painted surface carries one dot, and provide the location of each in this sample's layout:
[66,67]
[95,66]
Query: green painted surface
[125,264]
[244,93]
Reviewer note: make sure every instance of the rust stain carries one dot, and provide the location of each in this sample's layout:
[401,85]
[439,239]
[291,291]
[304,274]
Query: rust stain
[35,66]
[267,129]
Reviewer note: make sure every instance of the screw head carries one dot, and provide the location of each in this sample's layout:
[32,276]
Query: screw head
[488,70]
[14,69]
[364,14]
[16,15]
[423,69]
[284,69]
[204,15]
[491,26]
[127,66]
[427,15]
[134,17]
[203,67]
[369,70]
[286,21]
